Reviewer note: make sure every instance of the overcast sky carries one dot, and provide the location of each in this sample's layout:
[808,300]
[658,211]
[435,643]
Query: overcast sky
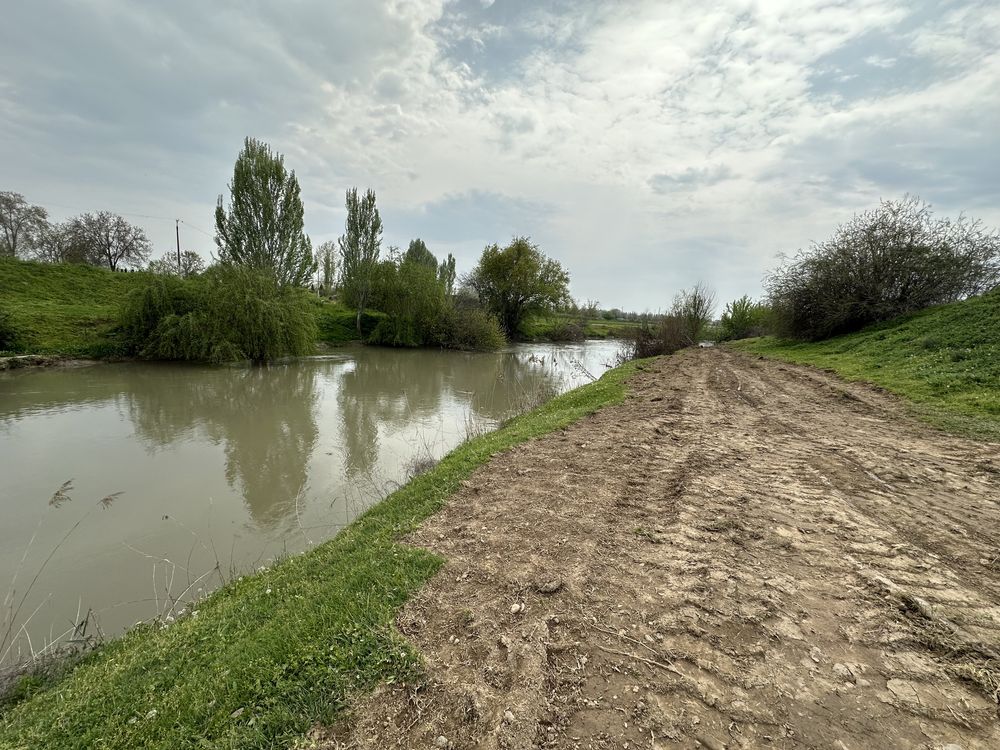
[646,145]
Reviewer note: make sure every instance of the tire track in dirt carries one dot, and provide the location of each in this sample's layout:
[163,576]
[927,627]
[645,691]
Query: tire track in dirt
[743,554]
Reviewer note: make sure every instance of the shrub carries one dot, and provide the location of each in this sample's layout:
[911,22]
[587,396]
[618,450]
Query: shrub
[742,319]
[883,263]
[567,330]
[666,335]
[230,313]
[692,312]
[469,328]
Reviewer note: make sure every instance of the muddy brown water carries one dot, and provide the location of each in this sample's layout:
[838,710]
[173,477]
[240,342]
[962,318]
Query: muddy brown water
[232,466]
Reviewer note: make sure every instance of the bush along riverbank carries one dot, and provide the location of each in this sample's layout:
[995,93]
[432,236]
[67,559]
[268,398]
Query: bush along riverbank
[266,657]
[945,360]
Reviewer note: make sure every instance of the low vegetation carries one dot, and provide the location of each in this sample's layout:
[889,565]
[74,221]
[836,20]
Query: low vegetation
[894,260]
[946,359]
[229,313]
[266,657]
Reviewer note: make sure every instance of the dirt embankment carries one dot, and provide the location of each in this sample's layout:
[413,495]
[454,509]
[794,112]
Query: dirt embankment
[744,554]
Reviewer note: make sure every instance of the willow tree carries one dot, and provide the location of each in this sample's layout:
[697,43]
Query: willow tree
[262,229]
[360,246]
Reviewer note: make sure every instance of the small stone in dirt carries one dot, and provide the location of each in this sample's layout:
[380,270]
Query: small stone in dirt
[516,608]
[508,716]
[815,654]
[441,741]
[843,672]
[549,587]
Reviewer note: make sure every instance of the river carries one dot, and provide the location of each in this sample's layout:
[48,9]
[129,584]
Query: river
[150,484]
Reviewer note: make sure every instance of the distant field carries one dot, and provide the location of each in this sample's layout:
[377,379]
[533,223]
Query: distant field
[550,327]
[945,359]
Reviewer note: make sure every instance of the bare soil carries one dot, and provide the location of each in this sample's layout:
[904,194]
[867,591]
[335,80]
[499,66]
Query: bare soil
[743,554]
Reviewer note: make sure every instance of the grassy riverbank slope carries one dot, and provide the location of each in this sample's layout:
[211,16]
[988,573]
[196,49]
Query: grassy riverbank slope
[945,359]
[271,654]
[67,310]
[72,310]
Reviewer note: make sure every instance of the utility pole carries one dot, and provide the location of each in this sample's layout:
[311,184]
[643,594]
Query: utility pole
[177,226]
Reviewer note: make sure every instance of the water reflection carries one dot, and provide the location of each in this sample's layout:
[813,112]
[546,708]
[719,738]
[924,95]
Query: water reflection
[252,461]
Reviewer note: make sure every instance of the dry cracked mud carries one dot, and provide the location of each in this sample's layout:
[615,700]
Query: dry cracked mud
[743,554]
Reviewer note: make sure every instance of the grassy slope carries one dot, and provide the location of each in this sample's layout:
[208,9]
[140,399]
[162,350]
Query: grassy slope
[271,654]
[71,310]
[945,359]
[64,309]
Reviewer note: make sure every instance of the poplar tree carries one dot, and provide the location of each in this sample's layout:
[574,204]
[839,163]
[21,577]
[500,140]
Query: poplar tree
[360,246]
[263,227]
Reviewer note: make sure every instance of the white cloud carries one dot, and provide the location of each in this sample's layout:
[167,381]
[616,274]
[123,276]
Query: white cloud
[690,143]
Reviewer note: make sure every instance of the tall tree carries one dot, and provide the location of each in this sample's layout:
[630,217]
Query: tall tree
[446,275]
[360,246]
[263,227]
[417,252]
[107,239]
[517,280]
[21,224]
[327,253]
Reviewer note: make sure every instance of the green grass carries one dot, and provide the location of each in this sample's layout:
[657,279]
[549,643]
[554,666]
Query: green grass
[66,310]
[338,324]
[271,654]
[547,327]
[72,310]
[946,360]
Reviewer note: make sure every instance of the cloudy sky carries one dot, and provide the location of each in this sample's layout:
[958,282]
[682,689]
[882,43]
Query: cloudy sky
[646,145]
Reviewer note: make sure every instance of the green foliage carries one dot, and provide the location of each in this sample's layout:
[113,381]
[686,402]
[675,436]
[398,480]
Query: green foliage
[360,246]
[470,329]
[446,275]
[69,310]
[262,229]
[741,319]
[418,253]
[946,359]
[888,262]
[327,254]
[409,294]
[337,325]
[518,280]
[274,653]
[228,314]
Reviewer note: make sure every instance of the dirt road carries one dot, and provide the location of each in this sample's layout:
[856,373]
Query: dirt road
[744,554]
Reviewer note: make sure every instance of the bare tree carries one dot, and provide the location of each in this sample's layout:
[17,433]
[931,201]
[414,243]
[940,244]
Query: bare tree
[110,240]
[21,224]
[59,244]
[190,264]
[694,308]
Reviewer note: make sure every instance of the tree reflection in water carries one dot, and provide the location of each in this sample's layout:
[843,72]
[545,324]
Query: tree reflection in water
[264,416]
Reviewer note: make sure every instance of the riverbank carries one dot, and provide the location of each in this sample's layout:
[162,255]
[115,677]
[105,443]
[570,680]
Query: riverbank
[71,311]
[945,360]
[266,657]
[741,554]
